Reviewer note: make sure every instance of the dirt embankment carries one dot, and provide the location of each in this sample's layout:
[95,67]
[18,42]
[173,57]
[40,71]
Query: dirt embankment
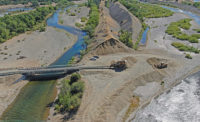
[125,19]
[106,40]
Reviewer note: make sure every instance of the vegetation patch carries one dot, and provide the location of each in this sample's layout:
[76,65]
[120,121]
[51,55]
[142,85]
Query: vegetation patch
[93,20]
[186,48]
[174,29]
[70,95]
[143,10]
[125,37]
[197,30]
[188,56]
[195,4]
[72,14]
[11,26]
[83,19]
[79,25]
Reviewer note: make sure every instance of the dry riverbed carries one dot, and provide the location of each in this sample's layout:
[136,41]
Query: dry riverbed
[30,50]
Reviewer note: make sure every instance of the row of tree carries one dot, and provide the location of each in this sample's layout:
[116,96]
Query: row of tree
[11,26]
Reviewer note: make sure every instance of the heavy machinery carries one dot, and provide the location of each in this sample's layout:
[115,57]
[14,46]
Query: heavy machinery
[161,65]
[119,64]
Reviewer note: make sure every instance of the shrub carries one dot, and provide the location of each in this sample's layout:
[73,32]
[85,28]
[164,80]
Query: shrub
[126,38]
[42,29]
[74,78]
[83,19]
[78,25]
[72,14]
[188,56]
[77,87]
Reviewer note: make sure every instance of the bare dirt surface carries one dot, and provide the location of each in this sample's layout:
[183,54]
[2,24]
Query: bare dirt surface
[29,50]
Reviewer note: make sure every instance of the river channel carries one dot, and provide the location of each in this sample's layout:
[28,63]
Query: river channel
[32,102]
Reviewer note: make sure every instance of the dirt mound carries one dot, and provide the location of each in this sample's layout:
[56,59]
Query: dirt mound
[130,61]
[109,46]
[106,40]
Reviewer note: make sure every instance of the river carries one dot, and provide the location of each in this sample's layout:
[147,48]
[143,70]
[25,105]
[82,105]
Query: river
[181,103]
[32,102]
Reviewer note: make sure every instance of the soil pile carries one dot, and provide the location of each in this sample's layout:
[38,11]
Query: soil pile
[107,35]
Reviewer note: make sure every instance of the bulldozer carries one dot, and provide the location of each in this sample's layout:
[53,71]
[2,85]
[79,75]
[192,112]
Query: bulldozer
[119,64]
[161,65]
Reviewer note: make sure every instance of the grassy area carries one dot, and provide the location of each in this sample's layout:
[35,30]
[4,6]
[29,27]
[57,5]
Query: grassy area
[93,20]
[70,95]
[143,10]
[197,30]
[186,48]
[174,29]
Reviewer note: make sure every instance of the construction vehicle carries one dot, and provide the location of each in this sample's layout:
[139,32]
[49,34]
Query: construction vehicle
[119,64]
[161,65]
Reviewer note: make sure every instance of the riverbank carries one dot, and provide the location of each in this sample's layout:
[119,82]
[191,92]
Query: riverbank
[30,50]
